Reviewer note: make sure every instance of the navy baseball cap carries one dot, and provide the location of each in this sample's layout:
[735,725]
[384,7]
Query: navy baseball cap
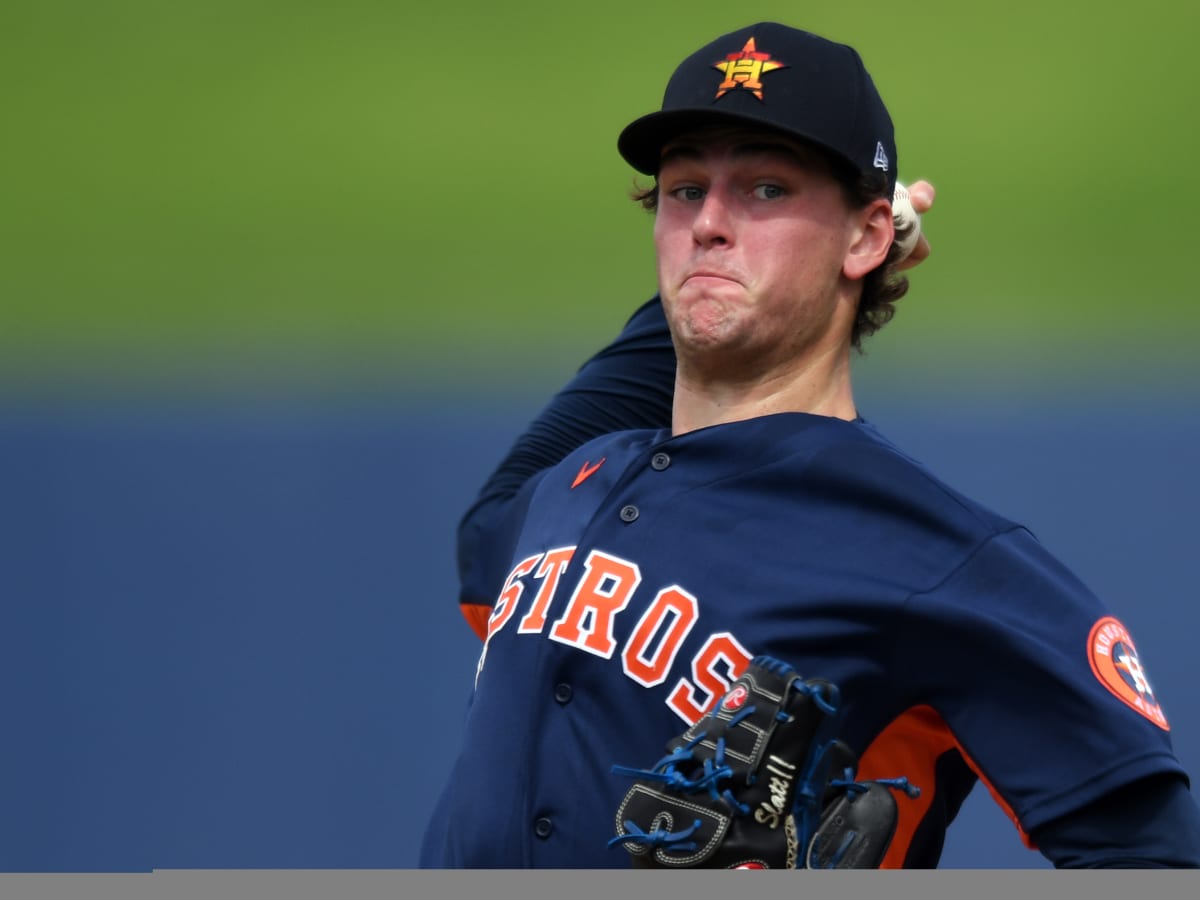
[781,78]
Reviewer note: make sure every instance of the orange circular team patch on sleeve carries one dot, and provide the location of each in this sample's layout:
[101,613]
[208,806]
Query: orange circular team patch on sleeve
[1115,662]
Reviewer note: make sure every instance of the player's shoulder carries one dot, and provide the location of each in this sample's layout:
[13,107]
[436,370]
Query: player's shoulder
[855,457]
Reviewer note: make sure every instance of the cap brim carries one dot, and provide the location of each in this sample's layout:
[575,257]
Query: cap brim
[641,142]
[643,139]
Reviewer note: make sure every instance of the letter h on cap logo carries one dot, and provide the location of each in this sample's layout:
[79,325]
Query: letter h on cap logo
[745,69]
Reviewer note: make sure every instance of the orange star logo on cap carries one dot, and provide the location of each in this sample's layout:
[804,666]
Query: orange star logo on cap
[744,70]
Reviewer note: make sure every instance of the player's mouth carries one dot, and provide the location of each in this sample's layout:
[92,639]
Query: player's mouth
[709,275]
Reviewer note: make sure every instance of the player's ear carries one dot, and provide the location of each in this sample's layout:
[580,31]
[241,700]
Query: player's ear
[871,239]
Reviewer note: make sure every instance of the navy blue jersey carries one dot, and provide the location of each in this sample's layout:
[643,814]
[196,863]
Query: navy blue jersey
[633,580]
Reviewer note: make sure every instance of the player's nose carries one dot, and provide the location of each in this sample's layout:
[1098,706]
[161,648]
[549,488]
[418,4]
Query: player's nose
[714,222]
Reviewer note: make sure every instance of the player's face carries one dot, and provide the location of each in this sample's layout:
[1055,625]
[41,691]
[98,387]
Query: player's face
[752,233]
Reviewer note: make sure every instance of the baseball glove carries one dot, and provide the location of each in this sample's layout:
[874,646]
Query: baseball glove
[760,781]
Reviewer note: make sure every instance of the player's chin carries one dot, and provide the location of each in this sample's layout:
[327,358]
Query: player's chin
[707,293]
[705,321]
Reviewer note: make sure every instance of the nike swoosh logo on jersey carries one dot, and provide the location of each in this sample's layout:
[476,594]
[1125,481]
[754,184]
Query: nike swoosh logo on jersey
[586,472]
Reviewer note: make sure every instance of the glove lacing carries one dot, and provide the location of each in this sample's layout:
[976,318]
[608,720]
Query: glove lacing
[714,773]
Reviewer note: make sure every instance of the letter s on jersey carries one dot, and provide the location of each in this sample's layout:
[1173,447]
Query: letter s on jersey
[605,588]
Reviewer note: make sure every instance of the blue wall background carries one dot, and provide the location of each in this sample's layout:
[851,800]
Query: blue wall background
[228,636]
[277,281]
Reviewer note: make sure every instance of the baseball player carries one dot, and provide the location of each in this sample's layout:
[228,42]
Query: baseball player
[705,492]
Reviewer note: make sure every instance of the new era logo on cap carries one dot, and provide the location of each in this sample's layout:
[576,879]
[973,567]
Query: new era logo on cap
[778,77]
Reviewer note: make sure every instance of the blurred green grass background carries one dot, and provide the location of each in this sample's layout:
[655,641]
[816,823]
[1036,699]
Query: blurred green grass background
[429,195]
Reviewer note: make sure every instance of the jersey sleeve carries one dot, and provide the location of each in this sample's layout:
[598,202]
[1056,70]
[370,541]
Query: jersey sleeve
[1039,684]
[628,384]
[1158,821]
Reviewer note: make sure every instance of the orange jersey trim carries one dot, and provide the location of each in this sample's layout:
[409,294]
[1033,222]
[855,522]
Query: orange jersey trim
[477,616]
[911,746]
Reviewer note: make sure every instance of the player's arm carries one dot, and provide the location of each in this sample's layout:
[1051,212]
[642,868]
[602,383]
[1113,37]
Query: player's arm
[628,384]
[1151,823]
[1107,791]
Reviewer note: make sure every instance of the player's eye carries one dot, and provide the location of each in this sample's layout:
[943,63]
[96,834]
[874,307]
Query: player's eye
[768,191]
[688,193]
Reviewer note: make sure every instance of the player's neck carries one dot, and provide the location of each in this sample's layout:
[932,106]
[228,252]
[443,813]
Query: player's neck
[818,385]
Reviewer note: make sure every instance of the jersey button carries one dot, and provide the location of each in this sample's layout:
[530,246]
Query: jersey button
[542,827]
[562,693]
[660,461]
[629,513]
